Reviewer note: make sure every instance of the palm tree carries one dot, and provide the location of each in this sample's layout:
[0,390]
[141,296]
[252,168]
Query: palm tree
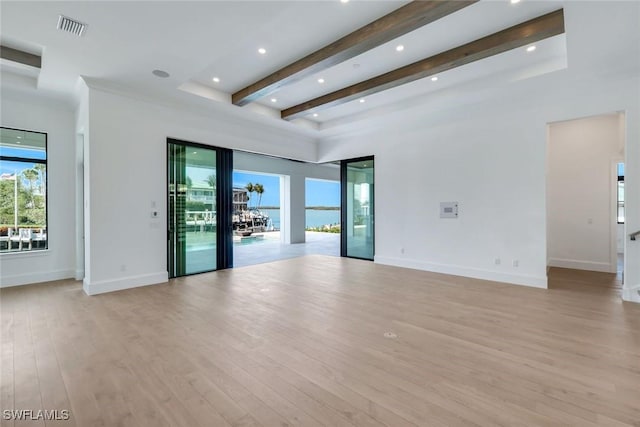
[250,189]
[42,172]
[259,189]
[211,180]
[31,175]
[213,183]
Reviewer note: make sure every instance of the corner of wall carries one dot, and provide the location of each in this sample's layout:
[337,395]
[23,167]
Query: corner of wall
[123,283]
[631,294]
[455,270]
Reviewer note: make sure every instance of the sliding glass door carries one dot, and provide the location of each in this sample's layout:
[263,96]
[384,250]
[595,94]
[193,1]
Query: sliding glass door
[196,208]
[357,232]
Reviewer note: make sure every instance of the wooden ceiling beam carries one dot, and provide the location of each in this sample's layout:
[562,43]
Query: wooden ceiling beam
[401,21]
[21,57]
[519,35]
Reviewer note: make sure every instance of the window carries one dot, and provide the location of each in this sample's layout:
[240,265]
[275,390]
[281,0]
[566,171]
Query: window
[620,193]
[23,190]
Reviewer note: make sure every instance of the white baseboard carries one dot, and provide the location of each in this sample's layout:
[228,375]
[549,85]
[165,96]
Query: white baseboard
[603,267]
[631,293]
[79,274]
[103,286]
[30,278]
[455,270]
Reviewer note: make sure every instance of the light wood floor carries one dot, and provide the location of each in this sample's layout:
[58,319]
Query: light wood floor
[300,343]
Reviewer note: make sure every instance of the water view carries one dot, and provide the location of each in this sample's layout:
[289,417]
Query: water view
[314,217]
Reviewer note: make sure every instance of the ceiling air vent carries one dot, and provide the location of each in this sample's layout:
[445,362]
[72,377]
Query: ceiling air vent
[71,25]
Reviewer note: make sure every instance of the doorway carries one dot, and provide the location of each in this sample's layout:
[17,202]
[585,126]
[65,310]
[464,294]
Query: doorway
[357,188]
[198,185]
[620,215]
[583,207]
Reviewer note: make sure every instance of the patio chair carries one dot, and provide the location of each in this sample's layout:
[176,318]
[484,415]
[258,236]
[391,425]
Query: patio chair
[7,239]
[24,236]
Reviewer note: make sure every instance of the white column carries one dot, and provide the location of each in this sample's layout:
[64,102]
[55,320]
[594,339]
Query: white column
[631,287]
[292,209]
[79,207]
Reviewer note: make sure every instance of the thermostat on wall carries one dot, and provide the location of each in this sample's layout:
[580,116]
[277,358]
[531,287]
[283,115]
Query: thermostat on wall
[448,209]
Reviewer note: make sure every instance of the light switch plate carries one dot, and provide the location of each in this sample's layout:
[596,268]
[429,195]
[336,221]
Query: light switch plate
[448,209]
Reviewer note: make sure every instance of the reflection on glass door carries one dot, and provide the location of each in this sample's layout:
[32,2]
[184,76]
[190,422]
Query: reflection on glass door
[192,218]
[357,208]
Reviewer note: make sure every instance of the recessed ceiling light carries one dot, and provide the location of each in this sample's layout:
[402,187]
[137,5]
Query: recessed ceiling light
[531,48]
[320,80]
[361,100]
[19,137]
[274,100]
[400,48]
[344,1]
[160,73]
[262,51]
[315,114]
[515,1]
[216,79]
[195,152]
[434,78]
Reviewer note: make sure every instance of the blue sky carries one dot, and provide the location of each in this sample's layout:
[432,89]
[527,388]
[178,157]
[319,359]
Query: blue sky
[318,193]
[271,184]
[322,193]
[12,167]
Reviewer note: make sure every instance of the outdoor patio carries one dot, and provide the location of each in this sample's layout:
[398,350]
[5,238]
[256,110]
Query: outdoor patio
[271,249]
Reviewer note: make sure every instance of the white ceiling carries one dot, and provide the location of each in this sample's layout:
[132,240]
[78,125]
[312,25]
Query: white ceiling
[195,41]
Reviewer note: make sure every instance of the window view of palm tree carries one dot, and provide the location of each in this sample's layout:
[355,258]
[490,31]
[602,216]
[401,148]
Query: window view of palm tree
[23,190]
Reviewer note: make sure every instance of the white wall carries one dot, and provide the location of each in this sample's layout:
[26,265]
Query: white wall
[25,110]
[489,157]
[581,188]
[127,173]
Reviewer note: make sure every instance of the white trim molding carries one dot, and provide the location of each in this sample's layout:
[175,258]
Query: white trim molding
[631,293]
[455,270]
[603,267]
[104,286]
[30,278]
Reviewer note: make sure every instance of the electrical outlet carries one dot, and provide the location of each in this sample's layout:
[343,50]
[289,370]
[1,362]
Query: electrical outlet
[516,263]
[401,250]
[498,261]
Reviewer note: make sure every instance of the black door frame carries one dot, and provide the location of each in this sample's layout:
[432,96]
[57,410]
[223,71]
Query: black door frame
[224,204]
[343,206]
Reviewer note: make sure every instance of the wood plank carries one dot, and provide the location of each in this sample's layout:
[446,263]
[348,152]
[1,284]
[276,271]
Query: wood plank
[7,392]
[215,349]
[401,21]
[21,57]
[537,29]
[26,379]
